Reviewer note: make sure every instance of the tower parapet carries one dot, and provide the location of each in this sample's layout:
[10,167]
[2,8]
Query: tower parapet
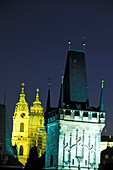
[89,116]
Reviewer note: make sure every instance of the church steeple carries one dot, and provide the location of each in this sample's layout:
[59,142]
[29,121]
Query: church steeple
[60,105]
[20,127]
[5,98]
[48,99]
[22,94]
[101,105]
[36,108]
[37,102]
[22,105]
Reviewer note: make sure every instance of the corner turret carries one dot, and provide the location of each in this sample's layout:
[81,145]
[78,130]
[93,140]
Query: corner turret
[101,105]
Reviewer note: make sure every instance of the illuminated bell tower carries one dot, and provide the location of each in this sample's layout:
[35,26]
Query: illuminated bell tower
[20,127]
[37,133]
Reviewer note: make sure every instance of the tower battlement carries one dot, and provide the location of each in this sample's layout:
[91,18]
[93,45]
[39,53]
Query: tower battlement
[76,115]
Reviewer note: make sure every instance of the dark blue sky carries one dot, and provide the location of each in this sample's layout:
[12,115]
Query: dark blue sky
[33,47]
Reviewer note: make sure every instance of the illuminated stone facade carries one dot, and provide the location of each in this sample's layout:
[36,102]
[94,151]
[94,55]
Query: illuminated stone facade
[27,126]
[37,133]
[73,128]
[77,143]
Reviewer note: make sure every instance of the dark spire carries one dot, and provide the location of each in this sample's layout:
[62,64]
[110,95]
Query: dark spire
[60,105]
[48,99]
[75,79]
[69,43]
[5,98]
[101,105]
[5,136]
[84,44]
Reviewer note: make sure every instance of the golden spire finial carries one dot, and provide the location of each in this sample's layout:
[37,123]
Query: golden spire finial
[23,84]
[37,96]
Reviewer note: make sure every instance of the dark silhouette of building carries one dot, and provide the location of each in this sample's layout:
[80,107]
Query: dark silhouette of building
[34,161]
[7,157]
[106,159]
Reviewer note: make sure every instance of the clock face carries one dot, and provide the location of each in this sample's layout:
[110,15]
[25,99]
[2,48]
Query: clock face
[23,108]
[22,115]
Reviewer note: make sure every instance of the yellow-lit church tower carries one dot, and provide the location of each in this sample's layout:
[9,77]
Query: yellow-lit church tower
[37,133]
[20,128]
[28,127]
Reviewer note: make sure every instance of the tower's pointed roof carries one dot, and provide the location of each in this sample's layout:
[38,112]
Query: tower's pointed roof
[36,108]
[60,105]
[22,95]
[101,105]
[22,104]
[48,98]
[5,136]
[37,102]
[75,79]
[5,98]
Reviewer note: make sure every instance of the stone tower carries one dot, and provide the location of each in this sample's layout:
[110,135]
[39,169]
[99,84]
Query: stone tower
[20,127]
[74,128]
[37,132]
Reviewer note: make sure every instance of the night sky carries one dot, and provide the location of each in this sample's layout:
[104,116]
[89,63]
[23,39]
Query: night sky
[34,44]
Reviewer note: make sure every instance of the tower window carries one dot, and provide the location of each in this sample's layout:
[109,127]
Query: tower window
[21,150]
[51,160]
[94,115]
[106,156]
[21,127]
[40,121]
[85,162]
[67,112]
[85,114]
[40,142]
[76,113]
[72,161]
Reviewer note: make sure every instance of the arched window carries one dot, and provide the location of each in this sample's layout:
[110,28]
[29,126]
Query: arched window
[21,127]
[40,142]
[21,150]
[40,121]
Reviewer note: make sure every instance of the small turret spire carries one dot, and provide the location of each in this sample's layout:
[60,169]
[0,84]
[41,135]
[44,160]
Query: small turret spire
[101,98]
[48,98]
[62,78]
[84,44]
[37,95]
[5,98]
[36,108]
[102,83]
[69,43]
[61,94]
[22,94]
[37,102]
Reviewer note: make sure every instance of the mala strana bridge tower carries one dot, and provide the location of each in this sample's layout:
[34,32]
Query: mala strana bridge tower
[74,128]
